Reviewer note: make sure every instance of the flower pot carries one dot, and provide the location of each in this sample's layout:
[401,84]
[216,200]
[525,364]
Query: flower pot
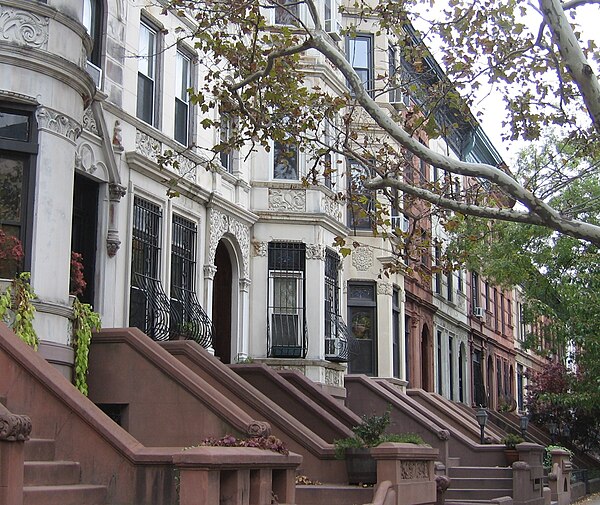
[511,455]
[361,467]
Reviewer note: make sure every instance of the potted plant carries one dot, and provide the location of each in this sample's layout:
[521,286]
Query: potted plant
[361,467]
[510,442]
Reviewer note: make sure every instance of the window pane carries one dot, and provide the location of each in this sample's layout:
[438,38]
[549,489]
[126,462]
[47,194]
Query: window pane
[145,99]
[11,186]
[181,121]
[14,126]
[359,52]
[147,51]
[182,76]
[287,15]
[285,161]
[285,295]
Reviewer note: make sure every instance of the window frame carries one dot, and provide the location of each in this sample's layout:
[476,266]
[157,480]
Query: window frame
[154,63]
[369,70]
[359,222]
[291,158]
[182,54]
[27,150]
[365,305]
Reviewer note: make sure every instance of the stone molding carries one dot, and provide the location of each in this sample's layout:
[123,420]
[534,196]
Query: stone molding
[23,28]
[293,200]
[57,123]
[260,248]
[220,224]
[332,208]
[385,288]
[210,271]
[89,122]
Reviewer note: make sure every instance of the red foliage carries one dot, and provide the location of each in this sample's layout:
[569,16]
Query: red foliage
[269,443]
[77,284]
[11,254]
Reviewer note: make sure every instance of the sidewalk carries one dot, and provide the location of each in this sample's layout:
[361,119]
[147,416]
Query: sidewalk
[593,499]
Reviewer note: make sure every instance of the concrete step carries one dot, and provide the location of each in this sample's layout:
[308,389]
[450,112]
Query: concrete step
[39,449]
[480,472]
[475,494]
[333,494]
[39,473]
[77,494]
[479,483]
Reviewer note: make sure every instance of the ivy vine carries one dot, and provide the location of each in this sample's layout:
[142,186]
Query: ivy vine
[16,301]
[85,320]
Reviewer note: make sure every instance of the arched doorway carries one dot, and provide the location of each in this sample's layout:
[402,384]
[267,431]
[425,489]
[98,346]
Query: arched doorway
[426,367]
[221,308]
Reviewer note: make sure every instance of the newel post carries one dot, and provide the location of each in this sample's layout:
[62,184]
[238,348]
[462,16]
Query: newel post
[559,478]
[14,431]
[410,469]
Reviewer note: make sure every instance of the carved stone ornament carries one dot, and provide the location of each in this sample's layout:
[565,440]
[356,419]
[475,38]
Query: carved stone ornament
[412,470]
[245,285]
[260,248]
[147,146]
[113,244]
[89,121]
[85,159]
[117,138]
[334,377]
[13,427]
[442,482]
[220,224]
[385,288]
[61,124]
[315,252]
[293,200]
[116,192]
[210,271]
[443,435]
[23,28]
[362,258]
[332,208]
[258,429]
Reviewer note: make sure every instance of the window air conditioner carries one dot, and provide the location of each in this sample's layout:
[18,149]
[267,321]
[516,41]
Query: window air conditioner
[478,311]
[94,72]
[333,347]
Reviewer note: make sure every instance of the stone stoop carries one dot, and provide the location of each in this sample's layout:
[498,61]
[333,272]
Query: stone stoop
[478,484]
[333,494]
[51,482]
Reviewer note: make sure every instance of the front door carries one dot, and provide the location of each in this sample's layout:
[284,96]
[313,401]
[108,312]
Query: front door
[221,309]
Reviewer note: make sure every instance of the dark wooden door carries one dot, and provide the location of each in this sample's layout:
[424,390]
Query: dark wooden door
[221,309]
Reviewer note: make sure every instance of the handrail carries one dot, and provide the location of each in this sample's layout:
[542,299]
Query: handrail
[384,494]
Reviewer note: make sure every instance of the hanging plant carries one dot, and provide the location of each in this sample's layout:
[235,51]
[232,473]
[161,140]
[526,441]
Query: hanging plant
[17,310]
[77,283]
[85,320]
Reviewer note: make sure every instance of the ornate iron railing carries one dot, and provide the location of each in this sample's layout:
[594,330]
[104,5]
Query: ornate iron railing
[188,319]
[339,346]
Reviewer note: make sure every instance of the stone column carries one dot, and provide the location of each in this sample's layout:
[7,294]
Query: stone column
[244,318]
[209,277]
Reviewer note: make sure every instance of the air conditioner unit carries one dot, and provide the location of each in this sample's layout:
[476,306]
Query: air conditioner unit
[399,99]
[478,311]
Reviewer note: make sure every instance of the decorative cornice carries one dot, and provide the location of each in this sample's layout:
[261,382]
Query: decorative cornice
[14,427]
[58,123]
[23,28]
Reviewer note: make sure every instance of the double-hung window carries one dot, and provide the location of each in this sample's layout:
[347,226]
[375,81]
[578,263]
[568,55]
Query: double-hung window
[359,50]
[362,308]
[18,146]
[147,72]
[183,82]
[226,133]
[286,300]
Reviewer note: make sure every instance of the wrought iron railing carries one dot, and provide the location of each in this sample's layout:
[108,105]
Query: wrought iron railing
[338,345]
[163,319]
[188,319]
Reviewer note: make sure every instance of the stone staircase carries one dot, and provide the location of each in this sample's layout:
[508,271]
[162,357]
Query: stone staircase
[51,482]
[478,484]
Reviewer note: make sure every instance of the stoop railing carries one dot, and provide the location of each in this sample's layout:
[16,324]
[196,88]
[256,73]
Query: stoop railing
[240,475]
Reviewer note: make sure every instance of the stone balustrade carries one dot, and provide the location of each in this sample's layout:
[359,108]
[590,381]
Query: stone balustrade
[236,475]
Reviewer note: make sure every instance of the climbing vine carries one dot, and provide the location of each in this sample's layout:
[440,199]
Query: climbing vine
[16,301]
[85,320]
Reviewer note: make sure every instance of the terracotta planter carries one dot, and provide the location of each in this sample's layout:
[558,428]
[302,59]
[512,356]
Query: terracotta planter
[361,467]
[512,456]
